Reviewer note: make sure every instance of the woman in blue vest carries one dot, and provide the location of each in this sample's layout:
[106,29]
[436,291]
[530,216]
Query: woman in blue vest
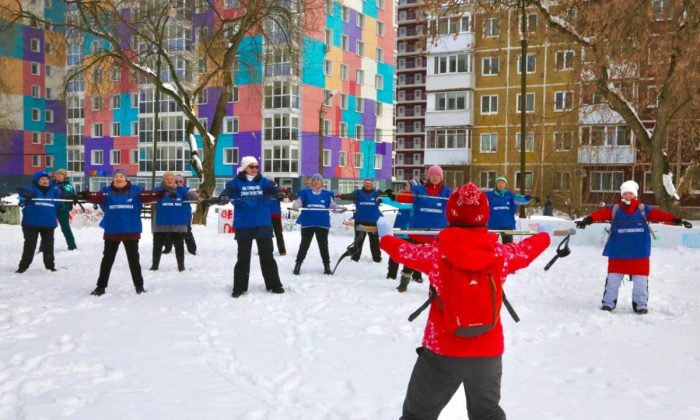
[315,205]
[172,216]
[38,219]
[503,204]
[250,193]
[121,203]
[366,214]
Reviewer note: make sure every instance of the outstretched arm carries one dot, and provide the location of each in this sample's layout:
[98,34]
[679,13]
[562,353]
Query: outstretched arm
[521,254]
[417,256]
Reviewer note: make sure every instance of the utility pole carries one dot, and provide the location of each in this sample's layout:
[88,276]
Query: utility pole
[321,114]
[523,101]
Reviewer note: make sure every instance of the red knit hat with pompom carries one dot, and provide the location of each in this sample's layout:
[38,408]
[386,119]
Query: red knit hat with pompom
[468,206]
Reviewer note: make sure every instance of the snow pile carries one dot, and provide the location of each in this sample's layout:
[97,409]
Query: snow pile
[332,347]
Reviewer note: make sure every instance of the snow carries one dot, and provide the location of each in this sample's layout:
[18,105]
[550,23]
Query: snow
[332,347]
[194,154]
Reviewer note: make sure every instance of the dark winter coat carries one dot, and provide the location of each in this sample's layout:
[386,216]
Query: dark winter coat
[471,249]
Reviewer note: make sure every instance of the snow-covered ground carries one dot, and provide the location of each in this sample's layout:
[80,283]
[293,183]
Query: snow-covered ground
[332,347]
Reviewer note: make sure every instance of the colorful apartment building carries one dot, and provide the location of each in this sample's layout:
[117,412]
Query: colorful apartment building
[335,86]
[33,117]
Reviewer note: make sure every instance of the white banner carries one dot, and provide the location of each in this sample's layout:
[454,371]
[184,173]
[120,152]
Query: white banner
[225,220]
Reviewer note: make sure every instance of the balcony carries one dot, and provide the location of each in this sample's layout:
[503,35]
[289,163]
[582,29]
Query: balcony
[409,145]
[411,98]
[410,113]
[409,3]
[462,117]
[412,65]
[409,50]
[460,156]
[406,33]
[451,43]
[405,17]
[410,82]
[409,162]
[606,155]
[410,130]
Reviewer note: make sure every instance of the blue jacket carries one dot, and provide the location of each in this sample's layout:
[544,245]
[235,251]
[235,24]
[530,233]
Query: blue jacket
[37,213]
[251,200]
[320,201]
[429,212]
[366,207]
[122,211]
[630,237]
[171,210]
[503,206]
[66,188]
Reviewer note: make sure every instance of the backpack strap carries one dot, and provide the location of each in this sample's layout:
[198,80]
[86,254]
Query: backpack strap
[510,309]
[433,296]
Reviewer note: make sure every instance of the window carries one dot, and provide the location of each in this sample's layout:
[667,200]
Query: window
[48,70]
[489,66]
[661,9]
[49,139]
[379,81]
[48,47]
[36,68]
[329,37]
[531,25]
[460,63]
[96,103]
[360,20]
[529,142]
[327,67]
[380,28]
[36,138]
[342,158]
[529,102]
[377,134]
[359,157]
[606,181]
[489,104]
[345,43]
[230,125]
[399,174]
[561,181]
[377,161]
[49,93]
[378,109]
[231,4]
[359,48]
[36,161]
[531,61]
[451,101]
[326,128]
[343,72]
[359,105]
[116,129]
[446,139]
[487,180]
[35,45]
[116,102]
[36,114]
[360,77]
[528,180]
[96,157]
[49,160]
[648,187]
[134,160]
[35,91]
[492,27]
[343,129]
[116,74]
[134,128]
[230,155]
[563,101]
[97,130]
[652,97]
[489,142]
[115,157]
[280,94]
[343,101]
[327,97]
[344,13]
[134,100]
[359,131]
[563,141]
[282,127]
[329,7]
[564,60]
[326,158]
[203,96]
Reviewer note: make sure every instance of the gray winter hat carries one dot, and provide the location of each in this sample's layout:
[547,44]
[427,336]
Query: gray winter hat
[317,176]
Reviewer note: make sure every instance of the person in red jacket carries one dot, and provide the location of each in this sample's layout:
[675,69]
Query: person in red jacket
[445,360]
[629,245]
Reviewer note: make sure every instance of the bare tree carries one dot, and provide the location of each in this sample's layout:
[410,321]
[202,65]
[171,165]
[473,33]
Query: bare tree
[141,36]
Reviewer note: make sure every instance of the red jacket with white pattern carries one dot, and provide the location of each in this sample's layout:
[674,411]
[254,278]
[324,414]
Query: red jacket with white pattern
[469,249]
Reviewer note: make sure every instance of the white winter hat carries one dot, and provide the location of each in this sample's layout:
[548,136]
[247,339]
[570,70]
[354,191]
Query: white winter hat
[629,186]
[247,161]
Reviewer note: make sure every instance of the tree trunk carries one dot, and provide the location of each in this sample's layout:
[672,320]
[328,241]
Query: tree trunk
[659,163]
[206,188]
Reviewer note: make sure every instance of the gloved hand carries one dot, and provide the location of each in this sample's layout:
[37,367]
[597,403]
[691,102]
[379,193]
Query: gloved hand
[686,224]
[280,195]
[413,183]
[581,224]
[384,228]
[82,195]
[26,194]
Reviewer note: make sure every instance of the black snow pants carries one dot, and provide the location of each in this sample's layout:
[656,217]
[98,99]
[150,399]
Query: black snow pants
[132,256]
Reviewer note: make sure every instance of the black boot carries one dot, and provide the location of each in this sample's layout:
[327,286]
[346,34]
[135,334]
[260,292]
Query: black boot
[140,289]
[99,291]
[297,268]
[327,268]
[405,279]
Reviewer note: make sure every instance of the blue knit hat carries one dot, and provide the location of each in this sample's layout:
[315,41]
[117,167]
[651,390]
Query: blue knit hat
[317,176]
[40,174]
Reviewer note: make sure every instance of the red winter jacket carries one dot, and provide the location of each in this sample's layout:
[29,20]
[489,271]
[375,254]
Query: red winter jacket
[635,266]
[471,249]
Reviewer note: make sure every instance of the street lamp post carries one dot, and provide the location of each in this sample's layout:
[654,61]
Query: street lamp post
[523,101]
[321,114]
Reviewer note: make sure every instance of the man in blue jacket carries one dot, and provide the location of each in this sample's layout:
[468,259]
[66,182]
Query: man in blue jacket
[502,205]
[366,214]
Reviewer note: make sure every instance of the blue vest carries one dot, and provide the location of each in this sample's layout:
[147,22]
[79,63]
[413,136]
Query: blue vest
[171,210]
[428,212]
[315,218]
[41,214]
[122,212]
[629,236]
[251,202]
[502,208]
[366,207]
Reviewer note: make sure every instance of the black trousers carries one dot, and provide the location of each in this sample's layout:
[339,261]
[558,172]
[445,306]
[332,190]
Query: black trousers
[132,255]
[436,378]
[241,272]
[189,241]
[506,239]
[177,240]
[307,234]
[373,243]
[31,235]
[394,270]
[279,236]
